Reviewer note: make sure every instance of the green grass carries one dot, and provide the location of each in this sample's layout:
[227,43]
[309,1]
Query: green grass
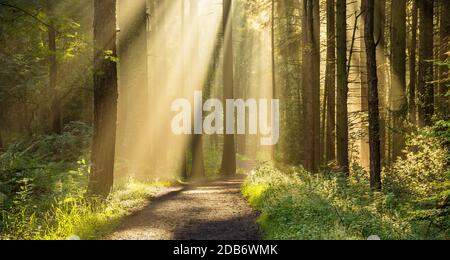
[76,215]
[297,205]
[43,183]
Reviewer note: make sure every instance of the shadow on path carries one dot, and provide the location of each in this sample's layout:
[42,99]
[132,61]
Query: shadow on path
[202,211]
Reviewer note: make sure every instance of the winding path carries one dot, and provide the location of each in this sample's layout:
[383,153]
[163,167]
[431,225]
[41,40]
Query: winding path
[207,211]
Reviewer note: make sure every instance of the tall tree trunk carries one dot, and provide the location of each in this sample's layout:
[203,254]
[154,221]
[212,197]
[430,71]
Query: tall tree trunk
[398,74]
[372,79]
[379,29]
[413,64]
[198,167]
[184,164]
[56,113]
[229,151]
[330,82]
[444,49]
[105,98]
[311,85]
[342,87]
[273,57]
[425,87]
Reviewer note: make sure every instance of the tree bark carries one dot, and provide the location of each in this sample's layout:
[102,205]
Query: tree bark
[398,75]
[425,87]
[273,57]
[55,105]
[229,151]
[372,79]
[342,87]
[413,64]
[444,49]
[330,83]
[105,98]
[311,85]
[198,167]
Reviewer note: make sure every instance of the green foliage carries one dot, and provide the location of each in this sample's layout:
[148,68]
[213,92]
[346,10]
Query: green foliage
[297,205]
[423,169]
[25,97]
[43,190]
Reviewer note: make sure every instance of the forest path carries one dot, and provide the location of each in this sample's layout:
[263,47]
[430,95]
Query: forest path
[204,211]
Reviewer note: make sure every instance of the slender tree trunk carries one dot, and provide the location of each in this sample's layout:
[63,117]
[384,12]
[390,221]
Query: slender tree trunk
[444,49]
[398,75]
[105,98]
[229,151]
[184,165]
[273,56]
[372,79]
[198,167]
[342,87]
[413,64]
[330,83]
[56,113]
[425,87]
[311,85]
[379,30]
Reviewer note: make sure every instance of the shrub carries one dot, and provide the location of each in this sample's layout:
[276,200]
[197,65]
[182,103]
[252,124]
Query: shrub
[423,169]
[297,205]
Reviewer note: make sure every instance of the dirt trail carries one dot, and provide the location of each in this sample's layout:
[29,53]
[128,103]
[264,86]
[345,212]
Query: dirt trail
[208,211]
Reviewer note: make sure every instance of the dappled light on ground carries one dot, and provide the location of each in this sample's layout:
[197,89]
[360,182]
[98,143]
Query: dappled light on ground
[212,210]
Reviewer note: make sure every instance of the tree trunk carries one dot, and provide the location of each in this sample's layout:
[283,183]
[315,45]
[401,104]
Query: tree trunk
[425,87]
[311,85]
[56,113]
[398,75]
[372,79]
[198,167]
[342,87]
[413,64]
[273,56]
[330,83]
[105,98]
[444,49]
[229,151]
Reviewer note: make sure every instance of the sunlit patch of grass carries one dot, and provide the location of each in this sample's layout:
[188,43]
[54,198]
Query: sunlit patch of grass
[297,205]
[88,219]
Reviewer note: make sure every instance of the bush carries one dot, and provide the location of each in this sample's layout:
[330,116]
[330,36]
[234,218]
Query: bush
[423,169]
[295,204]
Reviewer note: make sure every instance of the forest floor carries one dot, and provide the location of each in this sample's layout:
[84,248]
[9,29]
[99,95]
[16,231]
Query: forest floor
[213,210]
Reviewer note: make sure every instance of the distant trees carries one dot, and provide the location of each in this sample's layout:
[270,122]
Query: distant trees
[229,151]
[105,98]
[133,115]
[55,107]
[412,104]
[198,161]
[444,34]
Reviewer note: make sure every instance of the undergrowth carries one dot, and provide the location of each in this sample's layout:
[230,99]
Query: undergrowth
[414,204]
[43,190]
